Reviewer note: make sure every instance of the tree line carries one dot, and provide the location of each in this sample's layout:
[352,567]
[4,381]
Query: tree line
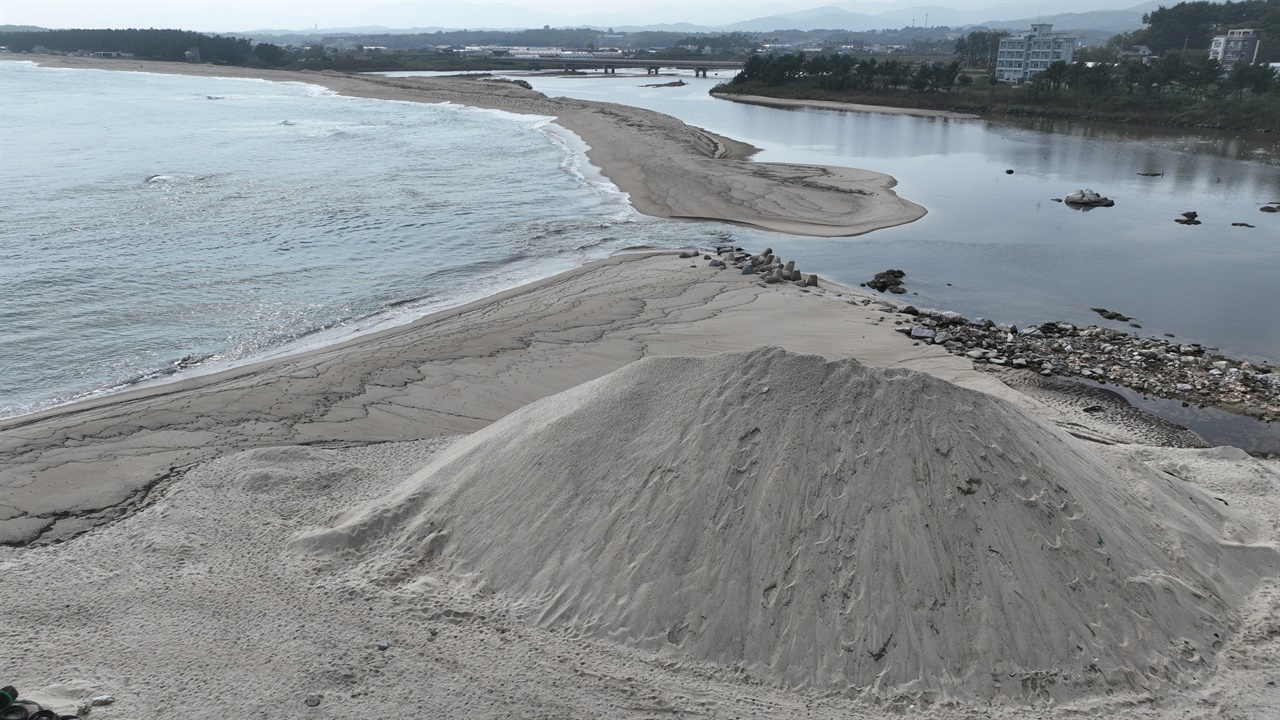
[1192,25]
[843,72]
[149,44]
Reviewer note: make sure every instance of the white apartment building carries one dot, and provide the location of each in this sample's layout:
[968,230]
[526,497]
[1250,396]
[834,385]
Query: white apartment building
[1023,56]
[1236,46]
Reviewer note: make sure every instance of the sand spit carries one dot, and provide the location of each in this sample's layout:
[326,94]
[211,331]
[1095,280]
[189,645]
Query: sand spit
[669,169]
[875,533]
[848,107]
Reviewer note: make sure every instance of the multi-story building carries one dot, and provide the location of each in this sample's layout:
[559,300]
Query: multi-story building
[1022,56]
[1236,46]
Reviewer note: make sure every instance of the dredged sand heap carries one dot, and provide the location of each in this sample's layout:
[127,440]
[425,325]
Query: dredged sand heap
[825,524]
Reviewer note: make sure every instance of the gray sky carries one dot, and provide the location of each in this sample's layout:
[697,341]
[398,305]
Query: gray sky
[242,15]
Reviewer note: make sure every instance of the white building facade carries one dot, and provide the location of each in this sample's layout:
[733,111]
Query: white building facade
[1236,46]
[1024,56]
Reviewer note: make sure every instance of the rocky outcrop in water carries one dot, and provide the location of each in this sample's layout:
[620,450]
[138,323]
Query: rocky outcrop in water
[1088,198]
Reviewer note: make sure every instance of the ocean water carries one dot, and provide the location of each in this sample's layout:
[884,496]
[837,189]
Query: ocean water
[154,225]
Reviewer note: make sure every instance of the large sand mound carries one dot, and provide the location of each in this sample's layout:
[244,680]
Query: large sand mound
[878,532]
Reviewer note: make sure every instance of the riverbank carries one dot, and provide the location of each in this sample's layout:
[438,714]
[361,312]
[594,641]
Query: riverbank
[846,106]
[667,168]
[1252,115]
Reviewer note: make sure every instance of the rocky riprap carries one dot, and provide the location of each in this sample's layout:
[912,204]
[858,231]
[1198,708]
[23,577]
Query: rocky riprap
[1155,366]
[770,267]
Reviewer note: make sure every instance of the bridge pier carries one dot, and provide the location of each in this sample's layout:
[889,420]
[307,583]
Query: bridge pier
[651,70]
[699,72]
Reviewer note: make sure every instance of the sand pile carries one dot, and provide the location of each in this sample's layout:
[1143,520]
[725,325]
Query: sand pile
[824,524]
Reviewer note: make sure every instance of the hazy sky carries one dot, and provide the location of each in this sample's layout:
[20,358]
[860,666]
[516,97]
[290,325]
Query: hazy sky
[234,15]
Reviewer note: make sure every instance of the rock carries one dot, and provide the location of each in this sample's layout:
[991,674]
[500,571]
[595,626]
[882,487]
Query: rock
[102,700]
[383,644]
[922,333]
[716,263]
[688,254]
[1192,215]
[1270,208]
[1009,171]
[1088,198]
[748,271]
[771,279]
[1111,314]
[942,337]
[811,281]
[313,699]
[909,310]
[888,280]
[1241,225]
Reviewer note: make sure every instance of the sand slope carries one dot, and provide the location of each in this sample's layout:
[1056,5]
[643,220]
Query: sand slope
[825,524]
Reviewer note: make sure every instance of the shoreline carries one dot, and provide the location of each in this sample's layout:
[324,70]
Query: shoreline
[788,103]
[667,168]
[68,469]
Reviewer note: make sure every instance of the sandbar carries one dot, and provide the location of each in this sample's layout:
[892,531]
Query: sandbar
[668,169]
[845,106]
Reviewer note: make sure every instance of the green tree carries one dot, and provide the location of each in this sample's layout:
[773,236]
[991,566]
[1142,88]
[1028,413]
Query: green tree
[269,54]
[1258,79]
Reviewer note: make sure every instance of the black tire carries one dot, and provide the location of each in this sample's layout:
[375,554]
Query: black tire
[20,710]
[44,715]
[7,695]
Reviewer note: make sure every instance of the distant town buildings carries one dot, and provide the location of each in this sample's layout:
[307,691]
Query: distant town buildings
[1236,46]
[1023,56]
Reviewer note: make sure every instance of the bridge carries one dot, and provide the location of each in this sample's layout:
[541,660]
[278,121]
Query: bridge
[611,65]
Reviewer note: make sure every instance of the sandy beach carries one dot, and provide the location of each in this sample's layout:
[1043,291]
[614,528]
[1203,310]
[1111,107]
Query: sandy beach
[647,487]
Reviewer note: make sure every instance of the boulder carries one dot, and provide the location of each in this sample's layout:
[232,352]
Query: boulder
[1088,198]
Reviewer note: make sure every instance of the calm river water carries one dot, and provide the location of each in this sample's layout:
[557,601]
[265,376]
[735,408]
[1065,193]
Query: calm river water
[996,245]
